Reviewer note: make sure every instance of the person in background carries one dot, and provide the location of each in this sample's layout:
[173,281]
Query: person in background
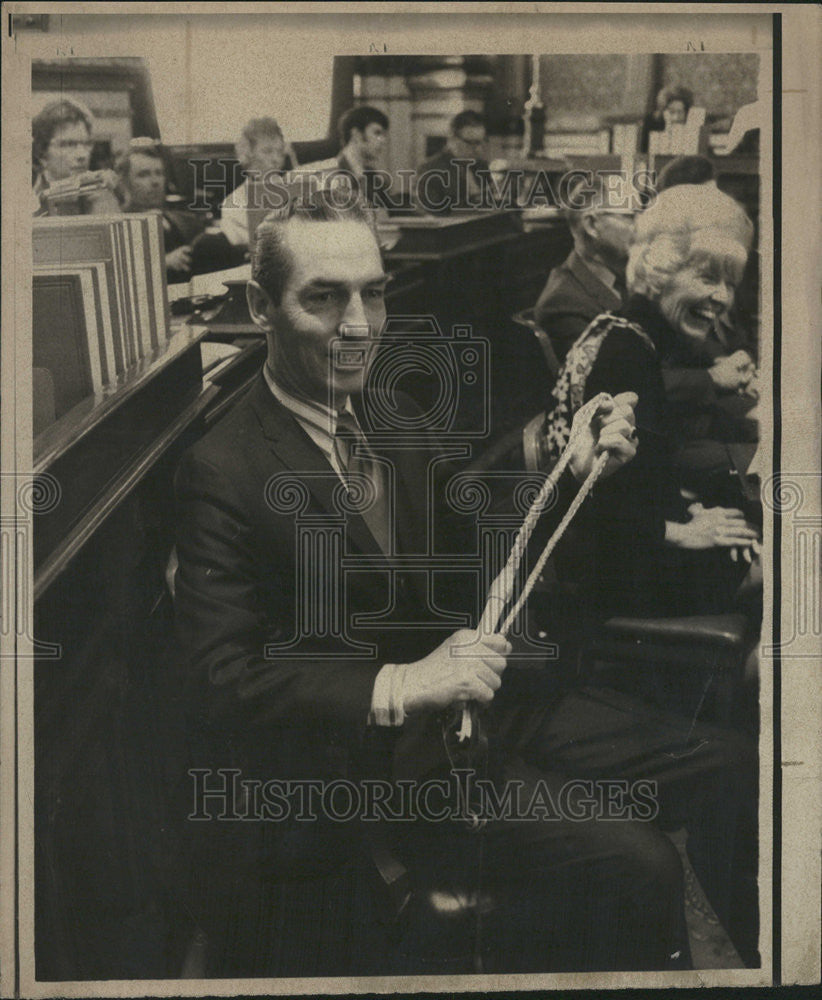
[454,177]
[591,280]
[142,174]
[672,107]
[363,132]
[262,151]
[61,153]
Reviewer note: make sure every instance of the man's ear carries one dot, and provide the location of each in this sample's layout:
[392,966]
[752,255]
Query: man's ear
[260,305]
[589,224]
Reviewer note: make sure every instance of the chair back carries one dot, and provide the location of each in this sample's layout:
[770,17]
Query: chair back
[525,317]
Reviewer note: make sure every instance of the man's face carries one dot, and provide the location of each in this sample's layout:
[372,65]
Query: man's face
[146,182]
[675,113]
[614,230]
[267,154]
[469,142]
[335,289]
[370,142]
[69,151]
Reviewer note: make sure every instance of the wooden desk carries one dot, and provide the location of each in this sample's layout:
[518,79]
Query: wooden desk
[104,639]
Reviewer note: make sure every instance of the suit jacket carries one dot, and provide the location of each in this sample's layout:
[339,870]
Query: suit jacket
[445,182]
[573,296]
[180,229]
[251,495]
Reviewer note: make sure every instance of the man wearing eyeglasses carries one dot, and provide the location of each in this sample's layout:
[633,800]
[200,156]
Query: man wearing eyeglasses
[591,280]
[61,151]
[453,179]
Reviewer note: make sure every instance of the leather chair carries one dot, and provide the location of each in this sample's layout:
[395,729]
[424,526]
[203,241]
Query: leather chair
[525,318]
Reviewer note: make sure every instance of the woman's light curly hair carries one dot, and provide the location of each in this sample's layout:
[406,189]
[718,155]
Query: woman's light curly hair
[664,234]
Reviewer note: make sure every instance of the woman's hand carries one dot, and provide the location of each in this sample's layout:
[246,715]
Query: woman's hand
[712,527]
[734,372]
[613,429]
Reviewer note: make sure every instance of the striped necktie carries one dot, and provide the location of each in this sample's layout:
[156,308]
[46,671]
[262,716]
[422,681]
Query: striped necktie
[365,477]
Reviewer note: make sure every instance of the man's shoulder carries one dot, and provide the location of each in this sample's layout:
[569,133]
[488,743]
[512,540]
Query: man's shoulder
[439,161]
[225,447]
[562,287]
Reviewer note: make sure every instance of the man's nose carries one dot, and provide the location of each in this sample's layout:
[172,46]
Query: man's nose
[354,322]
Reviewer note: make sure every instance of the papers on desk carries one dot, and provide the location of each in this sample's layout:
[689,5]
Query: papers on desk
[215,283]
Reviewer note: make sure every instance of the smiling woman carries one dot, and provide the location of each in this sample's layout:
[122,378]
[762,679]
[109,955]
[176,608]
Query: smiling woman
[655,552]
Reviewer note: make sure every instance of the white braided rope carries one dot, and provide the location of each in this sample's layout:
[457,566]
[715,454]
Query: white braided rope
[501,590]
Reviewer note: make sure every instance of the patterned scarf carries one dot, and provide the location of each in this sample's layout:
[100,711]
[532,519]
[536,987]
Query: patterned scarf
[569,391]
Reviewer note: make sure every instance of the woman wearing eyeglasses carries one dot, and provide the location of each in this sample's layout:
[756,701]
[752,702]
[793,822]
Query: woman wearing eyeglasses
[61,152]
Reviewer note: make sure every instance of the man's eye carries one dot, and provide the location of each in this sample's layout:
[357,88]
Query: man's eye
[375,294]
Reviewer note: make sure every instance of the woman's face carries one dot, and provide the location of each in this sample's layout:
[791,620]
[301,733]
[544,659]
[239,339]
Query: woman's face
[704,287]
[675,113]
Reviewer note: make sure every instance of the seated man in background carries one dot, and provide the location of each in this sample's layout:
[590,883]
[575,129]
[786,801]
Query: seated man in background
[61,154]
[262,151]
[363,132]
[142,172]
[454,177]
[591,280]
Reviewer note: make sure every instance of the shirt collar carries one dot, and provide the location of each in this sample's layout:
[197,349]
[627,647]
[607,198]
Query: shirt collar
[317,419]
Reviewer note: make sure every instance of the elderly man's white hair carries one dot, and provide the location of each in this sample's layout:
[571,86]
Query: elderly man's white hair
[686,223]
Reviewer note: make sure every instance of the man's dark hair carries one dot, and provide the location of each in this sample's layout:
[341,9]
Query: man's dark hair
[466,119]
[150,149]
[55,115]
[359,118]
[270,259]
[671,94]
[686,170]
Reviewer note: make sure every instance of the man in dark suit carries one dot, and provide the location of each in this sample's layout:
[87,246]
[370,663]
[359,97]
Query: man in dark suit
[317,601]
[454,177]
[592,278]
[142,173]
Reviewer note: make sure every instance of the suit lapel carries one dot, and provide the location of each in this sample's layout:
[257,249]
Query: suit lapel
[605,298]
[298,453]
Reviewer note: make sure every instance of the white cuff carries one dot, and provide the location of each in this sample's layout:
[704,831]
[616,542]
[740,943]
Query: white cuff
[387,698]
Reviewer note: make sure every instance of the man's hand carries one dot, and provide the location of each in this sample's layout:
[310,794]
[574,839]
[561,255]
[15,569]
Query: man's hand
[179,259]
[712,527]
[463,668]
[611,430]
[734,372]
